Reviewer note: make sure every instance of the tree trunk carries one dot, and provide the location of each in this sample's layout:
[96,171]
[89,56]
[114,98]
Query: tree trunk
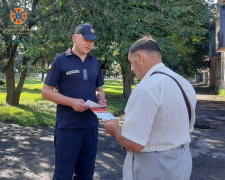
[42,71]
[13,93]
[127,76]
[22,79]
[9,71]
[42,76]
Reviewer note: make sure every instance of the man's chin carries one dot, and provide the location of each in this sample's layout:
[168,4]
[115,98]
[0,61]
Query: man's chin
[87,50]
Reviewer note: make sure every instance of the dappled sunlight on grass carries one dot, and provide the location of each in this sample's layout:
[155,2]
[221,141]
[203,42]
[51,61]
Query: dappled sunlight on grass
[33,109]
[2,97]
[36,111]
[113,87]
[112,91]
[34,86]
[113,81]
[29,97]
[118,87]
[30,81]
[28,114]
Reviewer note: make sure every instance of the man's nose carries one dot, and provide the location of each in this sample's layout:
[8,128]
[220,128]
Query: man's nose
[90,42]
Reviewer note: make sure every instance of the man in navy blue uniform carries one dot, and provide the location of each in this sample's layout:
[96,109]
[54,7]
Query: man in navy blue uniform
[79,78]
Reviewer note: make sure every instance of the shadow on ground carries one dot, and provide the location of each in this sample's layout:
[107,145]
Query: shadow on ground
[208,142]
[25,152]
[28,153]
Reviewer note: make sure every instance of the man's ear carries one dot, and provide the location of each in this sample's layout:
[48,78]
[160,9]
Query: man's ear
[140,57]
[74,37]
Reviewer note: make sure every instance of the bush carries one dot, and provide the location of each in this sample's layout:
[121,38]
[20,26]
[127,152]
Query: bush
[2,82]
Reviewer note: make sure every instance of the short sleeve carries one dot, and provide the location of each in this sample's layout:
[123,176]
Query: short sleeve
[53,75]
[140,112]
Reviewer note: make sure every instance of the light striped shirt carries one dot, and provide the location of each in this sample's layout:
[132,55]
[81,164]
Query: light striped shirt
[156,115]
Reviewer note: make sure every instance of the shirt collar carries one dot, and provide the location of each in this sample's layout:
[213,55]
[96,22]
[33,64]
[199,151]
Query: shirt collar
[153,69]
[69,52]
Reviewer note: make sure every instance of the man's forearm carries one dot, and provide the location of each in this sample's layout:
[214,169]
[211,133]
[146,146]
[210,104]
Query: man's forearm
[127,143]
[114,129]
[100,94]
[52,95]
[49,93]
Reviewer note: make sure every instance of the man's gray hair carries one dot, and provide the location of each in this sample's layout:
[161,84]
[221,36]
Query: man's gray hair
[146,43]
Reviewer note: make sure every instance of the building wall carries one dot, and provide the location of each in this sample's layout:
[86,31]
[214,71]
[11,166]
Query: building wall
[222,83]
[220,72]
[217,60]
[212,71]
[222,29]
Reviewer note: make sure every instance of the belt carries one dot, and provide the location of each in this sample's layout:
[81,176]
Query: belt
[182,146]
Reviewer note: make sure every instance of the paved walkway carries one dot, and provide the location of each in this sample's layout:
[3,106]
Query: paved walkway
[208,142]
[28,153]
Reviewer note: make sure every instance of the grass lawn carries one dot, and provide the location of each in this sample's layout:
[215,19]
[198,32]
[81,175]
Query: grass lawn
[222,93]
[36,111]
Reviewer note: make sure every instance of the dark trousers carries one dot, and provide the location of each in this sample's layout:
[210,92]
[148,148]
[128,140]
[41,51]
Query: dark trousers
[75,152]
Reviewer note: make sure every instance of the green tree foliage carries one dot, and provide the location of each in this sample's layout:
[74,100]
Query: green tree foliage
[179,26]
[11,42]
[46,39]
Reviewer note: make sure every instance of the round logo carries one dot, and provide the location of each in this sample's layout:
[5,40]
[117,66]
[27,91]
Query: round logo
[92,30]
[18,16]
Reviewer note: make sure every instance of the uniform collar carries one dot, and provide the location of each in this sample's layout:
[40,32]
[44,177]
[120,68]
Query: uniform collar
[153,69]
[69,52]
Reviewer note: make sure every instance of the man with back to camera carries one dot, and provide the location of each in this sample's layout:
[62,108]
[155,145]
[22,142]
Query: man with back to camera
[156,130]
[79,78]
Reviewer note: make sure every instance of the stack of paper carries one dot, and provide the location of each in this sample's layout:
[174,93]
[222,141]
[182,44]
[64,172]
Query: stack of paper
[101,111]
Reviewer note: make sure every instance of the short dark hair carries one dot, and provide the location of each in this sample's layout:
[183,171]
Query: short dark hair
[146,43]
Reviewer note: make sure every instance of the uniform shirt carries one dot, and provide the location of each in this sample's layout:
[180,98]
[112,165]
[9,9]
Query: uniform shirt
[156,113]
[75,79]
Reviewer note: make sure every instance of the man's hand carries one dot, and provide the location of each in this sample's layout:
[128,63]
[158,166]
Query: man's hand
[114,129]
[79,105]
[112,126]
[102,102]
